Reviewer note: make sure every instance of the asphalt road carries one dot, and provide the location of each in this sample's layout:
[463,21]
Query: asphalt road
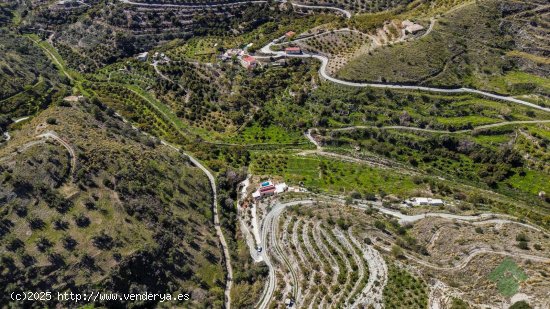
[323,72]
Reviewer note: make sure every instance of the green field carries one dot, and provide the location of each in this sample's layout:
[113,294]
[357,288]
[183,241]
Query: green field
[322,174]
[470,120]
[271,134]
[533,182]
[508,277]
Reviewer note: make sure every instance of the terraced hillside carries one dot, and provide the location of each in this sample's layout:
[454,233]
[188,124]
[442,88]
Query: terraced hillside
[329,265]
[338,46]
[356,5]
[359,6]
[491,45]
[97,195]
[89,202]
[325,254]
[90,36]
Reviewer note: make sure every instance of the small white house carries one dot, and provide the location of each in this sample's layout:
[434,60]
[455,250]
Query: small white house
[142,56]
[268,188]
[280,188]
[426,201]
[411,28]
[233,52]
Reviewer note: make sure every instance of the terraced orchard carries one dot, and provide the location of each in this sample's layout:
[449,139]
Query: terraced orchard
[339,46]
[328,264]
[321,259]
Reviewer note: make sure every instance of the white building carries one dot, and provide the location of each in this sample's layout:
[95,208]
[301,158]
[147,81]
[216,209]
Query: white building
[411,28]
[280,188]
[426,201]
[233,52]
[268,188]
[142,56]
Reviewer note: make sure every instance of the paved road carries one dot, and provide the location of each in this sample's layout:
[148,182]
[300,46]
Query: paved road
[323,72]
[21,119]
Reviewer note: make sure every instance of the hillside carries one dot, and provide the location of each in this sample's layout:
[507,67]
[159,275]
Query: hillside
[88,37]
[23,67]
[489,45]
[267,154]
[88,202]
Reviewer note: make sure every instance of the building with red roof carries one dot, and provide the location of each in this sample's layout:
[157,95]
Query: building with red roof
[293,50]
[248,61]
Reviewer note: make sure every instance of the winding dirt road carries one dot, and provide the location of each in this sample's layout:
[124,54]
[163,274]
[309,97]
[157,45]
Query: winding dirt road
[270,226]
[219,232]
[70,149]
[229,281]
[487,126]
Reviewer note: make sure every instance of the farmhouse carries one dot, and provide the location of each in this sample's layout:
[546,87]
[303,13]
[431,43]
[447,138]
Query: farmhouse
[289,35]
[232,52]
[410,27]
[293,50]
[267,188]
[248,61]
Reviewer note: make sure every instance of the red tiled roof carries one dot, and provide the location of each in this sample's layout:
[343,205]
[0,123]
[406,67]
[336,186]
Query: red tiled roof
[268,188]
[272,190]
[249,59]
[292,49]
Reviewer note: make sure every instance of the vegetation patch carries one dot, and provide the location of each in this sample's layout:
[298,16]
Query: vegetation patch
[331,175]
[465,48]
[508,276]
[403,290]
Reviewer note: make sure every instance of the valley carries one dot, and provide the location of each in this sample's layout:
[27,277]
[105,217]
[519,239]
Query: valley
[272,154]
